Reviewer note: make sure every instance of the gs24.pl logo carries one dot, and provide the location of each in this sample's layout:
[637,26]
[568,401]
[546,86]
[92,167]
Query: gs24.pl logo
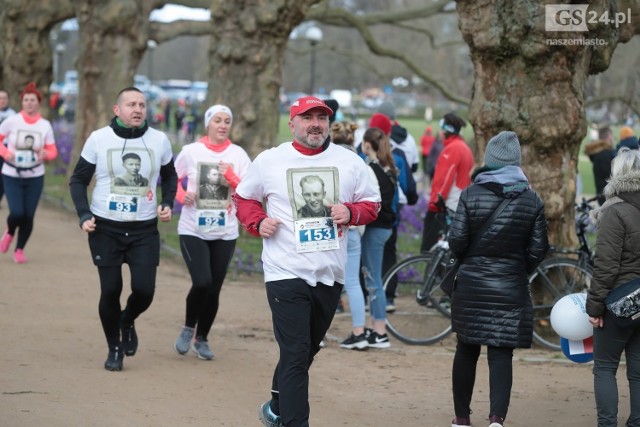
[575,17]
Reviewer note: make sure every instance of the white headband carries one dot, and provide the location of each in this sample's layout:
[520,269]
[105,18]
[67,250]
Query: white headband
[213,110]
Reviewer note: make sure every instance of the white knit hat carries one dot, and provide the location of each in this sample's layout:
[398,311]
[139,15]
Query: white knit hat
[213,110]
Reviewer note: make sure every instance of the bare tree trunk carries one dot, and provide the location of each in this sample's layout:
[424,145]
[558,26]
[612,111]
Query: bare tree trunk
[248,40]
[523,83]
[114,38]
[26,53]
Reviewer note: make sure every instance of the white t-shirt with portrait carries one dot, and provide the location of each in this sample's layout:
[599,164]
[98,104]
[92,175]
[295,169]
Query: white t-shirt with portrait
[25,140]
[209,219]
[112,200]
[275,176]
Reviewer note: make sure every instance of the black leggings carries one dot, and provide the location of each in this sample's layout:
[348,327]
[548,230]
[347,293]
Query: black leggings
[143,280]
[207,261]
[464,377]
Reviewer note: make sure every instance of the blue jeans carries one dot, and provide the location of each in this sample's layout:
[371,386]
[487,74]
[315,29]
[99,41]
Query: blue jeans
[352,279]
[373,242]
[23,195]
[608,344]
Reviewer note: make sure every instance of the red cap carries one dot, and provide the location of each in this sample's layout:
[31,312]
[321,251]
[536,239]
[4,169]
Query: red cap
[31,88]
[304,104]
[381,122]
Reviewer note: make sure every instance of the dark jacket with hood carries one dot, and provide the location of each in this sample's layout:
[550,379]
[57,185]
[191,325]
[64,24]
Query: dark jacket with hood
[600,153]
[491,302]
[630,142]
[400,135]
[617,259]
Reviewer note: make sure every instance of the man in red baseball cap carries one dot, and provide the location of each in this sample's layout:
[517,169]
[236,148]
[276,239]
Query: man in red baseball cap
[304,104]
[304,256]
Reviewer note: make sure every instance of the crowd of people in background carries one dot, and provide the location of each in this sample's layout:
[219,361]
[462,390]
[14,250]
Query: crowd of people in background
[328,216]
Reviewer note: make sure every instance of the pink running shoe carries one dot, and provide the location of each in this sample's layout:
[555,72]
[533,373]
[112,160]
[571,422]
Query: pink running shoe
[5,242]
[18,256]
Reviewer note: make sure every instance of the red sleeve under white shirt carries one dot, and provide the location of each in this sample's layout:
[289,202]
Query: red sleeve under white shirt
[188,164]
[268,179]
[12,134]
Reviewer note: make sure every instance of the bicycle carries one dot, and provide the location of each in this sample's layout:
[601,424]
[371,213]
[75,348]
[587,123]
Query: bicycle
[559,275]
[422,313]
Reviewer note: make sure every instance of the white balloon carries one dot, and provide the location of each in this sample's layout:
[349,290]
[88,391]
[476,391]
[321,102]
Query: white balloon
[569,317]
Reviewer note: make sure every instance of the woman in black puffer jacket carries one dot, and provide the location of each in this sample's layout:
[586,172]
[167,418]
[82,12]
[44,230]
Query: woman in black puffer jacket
[491,302]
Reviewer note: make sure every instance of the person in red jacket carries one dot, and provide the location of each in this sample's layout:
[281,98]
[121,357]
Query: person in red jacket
[426,142]
[452,175]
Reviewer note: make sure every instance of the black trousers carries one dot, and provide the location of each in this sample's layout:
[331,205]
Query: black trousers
[434,226]
[143,283]
[301,316]
[207,261]
[464,377]
[109,252]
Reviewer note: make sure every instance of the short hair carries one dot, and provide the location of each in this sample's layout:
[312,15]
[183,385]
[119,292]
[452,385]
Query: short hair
[626,161]
[29,136]
[454,122]
[308,179]
[131,156]
[127,89]
[604,132]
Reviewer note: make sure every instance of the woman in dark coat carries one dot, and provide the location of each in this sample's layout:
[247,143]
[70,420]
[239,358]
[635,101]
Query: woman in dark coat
[491,302]
[617,261]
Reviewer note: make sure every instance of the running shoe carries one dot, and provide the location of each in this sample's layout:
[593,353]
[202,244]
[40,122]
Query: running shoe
[114,359]
[129,339]
[201,348]
[19,257]
[390,308]
[5,242]
[496,421]
[268,418]
[355,342]
[376,340]
[461,422]
[183,343]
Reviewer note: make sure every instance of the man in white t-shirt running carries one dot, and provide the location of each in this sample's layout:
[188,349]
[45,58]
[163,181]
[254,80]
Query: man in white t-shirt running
[304,258]
[122,220]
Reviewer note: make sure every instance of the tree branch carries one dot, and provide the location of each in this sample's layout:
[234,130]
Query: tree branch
[430,36]
[164,31]
[334,16]
[341,18]
[352,56]
[628,101]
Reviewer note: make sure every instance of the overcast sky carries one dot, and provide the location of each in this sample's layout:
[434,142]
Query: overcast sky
[168,13]
[171,12]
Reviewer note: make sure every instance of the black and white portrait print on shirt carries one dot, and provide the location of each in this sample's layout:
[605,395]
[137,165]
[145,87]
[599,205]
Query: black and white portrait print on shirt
[130,170]
[312,190]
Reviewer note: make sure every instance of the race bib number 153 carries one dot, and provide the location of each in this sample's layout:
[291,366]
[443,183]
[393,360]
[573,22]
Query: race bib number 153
[315,234]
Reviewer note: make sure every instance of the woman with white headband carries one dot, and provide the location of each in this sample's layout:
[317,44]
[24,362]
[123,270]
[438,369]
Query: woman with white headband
[213,167]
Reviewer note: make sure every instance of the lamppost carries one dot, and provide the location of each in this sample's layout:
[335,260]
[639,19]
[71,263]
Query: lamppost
[151,45]
[60,48]
[314,35]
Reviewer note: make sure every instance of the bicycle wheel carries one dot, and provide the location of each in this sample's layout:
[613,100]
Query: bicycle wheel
[553,279]
[420,317]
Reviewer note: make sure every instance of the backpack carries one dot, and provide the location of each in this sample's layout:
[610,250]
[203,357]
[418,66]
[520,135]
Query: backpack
[412,191]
